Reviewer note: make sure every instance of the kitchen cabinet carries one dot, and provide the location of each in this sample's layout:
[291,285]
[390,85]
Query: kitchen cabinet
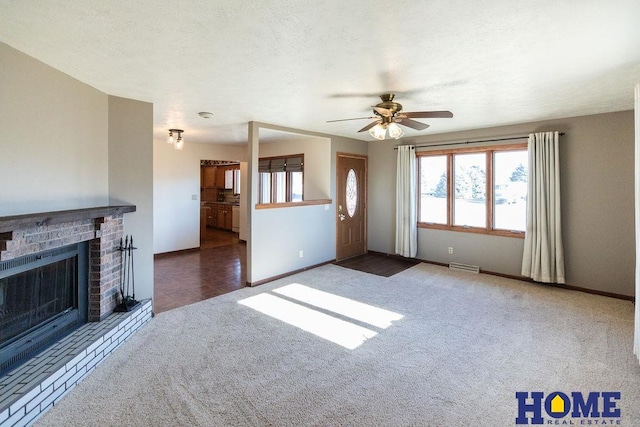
[204,215]
[212,216]
[220,176]
[225,217]
[228,219]
[208,176]
[216,215]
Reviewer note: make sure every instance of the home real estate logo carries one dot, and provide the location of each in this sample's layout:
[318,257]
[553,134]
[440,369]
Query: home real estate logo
[575,408]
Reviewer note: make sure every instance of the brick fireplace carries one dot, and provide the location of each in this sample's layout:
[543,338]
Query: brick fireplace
[101,227]
[37,384]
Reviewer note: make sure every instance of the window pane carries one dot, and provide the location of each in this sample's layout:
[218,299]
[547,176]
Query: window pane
[351,193]
[236,181]
[470,190]
[265,187]
[296,186]
[433,189]
[280,182]
[510,176]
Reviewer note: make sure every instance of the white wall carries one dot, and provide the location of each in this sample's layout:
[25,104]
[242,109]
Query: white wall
[176,179]
[53,138]
[131,180]
[596,170]
[65,145]
[277,235]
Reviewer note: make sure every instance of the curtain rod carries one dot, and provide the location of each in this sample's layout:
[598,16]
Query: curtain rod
[473,142]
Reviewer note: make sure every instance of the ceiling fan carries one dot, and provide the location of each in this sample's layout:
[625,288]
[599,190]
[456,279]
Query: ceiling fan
[388,115]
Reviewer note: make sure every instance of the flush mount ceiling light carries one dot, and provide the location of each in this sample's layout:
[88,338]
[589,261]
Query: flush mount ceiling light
[178,143]
[205,114]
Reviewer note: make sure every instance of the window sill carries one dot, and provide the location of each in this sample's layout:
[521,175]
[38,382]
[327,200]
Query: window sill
[476,230]
[294,204]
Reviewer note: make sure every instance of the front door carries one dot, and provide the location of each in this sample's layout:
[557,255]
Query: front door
[351,208]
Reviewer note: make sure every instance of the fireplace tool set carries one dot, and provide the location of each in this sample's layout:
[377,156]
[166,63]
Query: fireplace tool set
[127,279]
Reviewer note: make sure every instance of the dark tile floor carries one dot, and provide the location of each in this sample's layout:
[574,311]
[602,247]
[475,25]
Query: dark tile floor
[379,264]
[185,277]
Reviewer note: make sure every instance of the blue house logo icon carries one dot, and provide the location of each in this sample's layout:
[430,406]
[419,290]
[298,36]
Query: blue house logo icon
[534,406]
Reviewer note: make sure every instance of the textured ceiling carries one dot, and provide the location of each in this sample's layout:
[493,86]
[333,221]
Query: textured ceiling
[301,63]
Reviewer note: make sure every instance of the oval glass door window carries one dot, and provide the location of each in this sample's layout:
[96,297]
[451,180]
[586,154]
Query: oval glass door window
[352,192]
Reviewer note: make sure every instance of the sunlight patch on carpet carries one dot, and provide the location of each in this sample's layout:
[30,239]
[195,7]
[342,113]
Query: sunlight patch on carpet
[366,313]
[330,328]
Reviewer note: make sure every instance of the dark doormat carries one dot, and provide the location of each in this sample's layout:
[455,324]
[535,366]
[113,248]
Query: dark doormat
[378,264]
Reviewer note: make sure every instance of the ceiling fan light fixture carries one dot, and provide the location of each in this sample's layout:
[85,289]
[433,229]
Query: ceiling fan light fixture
[378,131]
[395,131]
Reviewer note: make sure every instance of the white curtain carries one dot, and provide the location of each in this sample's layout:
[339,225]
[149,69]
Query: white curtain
[636,339]
[406,211]
[543,258]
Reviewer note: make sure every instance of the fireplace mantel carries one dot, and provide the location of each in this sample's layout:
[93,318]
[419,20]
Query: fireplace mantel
[18,222]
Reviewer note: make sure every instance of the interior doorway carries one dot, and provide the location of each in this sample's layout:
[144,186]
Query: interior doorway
[219,199]
[218,265]
[351,205]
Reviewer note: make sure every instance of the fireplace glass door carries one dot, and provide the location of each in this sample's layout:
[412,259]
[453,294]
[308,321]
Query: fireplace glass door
[35,296]
[39,301]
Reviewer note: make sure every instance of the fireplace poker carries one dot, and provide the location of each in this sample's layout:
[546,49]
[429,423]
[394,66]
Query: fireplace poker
[127,256]
[121,248]
[133,276]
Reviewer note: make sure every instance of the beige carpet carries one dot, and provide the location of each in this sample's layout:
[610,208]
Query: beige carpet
[464,346]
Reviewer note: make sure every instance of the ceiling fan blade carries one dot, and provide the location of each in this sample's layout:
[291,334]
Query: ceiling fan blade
[369,126]
[412,124]
[344,120]
[429,114]
[384,112]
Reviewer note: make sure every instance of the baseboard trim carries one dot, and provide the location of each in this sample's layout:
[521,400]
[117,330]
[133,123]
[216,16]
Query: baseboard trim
[591,291]
[290,273]
[528,280]
[569,287]
[179,251]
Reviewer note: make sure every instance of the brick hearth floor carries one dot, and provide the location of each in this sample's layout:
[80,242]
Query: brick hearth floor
[31,389]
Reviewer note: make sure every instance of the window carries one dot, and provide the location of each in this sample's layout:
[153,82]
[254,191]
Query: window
[236,181]
[510,172]
[470,190]
[281,179]
[434,189]
[478,190]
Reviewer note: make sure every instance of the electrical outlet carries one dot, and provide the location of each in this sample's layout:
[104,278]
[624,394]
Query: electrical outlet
[301,254]
[194,197]
[450,250]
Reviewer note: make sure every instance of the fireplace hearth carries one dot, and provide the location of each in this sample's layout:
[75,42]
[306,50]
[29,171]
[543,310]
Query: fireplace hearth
[59,279]
[58,270]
